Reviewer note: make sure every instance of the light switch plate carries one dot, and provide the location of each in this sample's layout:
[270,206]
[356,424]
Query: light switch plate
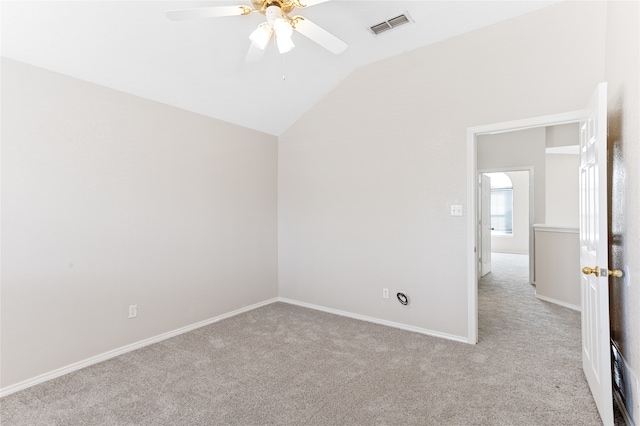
[456,210]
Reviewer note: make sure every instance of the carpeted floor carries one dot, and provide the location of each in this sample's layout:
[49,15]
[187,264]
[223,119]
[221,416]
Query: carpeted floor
[287,365]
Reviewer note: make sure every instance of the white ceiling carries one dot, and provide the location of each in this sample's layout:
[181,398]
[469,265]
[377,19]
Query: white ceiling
[199,65]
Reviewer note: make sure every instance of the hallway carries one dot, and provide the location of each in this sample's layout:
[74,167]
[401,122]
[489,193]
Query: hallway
[546,334]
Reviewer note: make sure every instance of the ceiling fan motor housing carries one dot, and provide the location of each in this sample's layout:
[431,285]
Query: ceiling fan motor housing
[286,6]
[273,12]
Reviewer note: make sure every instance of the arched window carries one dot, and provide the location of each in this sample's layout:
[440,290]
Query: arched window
[501,204]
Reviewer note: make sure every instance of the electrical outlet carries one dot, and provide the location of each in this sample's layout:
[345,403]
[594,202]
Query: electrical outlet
[456,210]
[133,311]
[385,293]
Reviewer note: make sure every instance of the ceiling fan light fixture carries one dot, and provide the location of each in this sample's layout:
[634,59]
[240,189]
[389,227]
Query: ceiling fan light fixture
[260,36]
[278,21]
[283,29]
[285,44]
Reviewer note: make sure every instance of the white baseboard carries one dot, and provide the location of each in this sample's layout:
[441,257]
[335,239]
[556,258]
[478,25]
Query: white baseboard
[124,349]
[142,343]
[376,320]
[558,302]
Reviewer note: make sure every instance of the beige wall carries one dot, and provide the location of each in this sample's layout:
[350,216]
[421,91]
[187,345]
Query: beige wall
[522,149]
[110,200]
[562,135]
[623,75]
[366,180]
[557,252]
[513,150]
[555,175]
[561,190]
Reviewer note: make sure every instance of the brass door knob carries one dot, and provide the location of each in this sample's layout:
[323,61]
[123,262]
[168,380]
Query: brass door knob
[616,273]
[596,271]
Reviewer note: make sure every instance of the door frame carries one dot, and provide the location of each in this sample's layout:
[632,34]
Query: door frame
[472,219]
[531,206]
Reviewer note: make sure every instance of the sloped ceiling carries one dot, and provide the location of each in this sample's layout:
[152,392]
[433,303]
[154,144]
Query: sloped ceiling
[199,65]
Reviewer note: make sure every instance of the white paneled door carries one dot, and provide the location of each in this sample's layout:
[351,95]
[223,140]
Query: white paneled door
[594,284]
[485,224]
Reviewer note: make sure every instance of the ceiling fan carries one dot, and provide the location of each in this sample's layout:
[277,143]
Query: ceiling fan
[278,23]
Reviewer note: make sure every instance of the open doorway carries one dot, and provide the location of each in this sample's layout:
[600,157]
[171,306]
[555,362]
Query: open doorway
[534,188]
[505,219]
[506,153]
[591,243]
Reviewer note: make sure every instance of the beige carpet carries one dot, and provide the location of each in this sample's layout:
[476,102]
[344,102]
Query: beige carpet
[287,365]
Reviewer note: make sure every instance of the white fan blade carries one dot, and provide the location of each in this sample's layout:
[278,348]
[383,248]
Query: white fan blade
[307,3]
[319,35]
[208,12]
[254,54]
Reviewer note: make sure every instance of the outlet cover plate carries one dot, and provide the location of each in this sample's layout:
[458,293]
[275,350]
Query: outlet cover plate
[133,311]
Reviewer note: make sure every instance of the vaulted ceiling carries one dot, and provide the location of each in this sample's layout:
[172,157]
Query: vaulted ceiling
[199,65]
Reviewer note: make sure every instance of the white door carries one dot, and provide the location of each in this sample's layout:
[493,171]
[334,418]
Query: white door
[485,224]
[594,286]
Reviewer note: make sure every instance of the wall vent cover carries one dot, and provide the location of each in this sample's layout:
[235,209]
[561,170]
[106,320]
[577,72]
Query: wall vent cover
[391,23]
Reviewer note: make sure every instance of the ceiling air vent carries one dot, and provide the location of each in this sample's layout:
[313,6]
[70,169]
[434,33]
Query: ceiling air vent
[390,24]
